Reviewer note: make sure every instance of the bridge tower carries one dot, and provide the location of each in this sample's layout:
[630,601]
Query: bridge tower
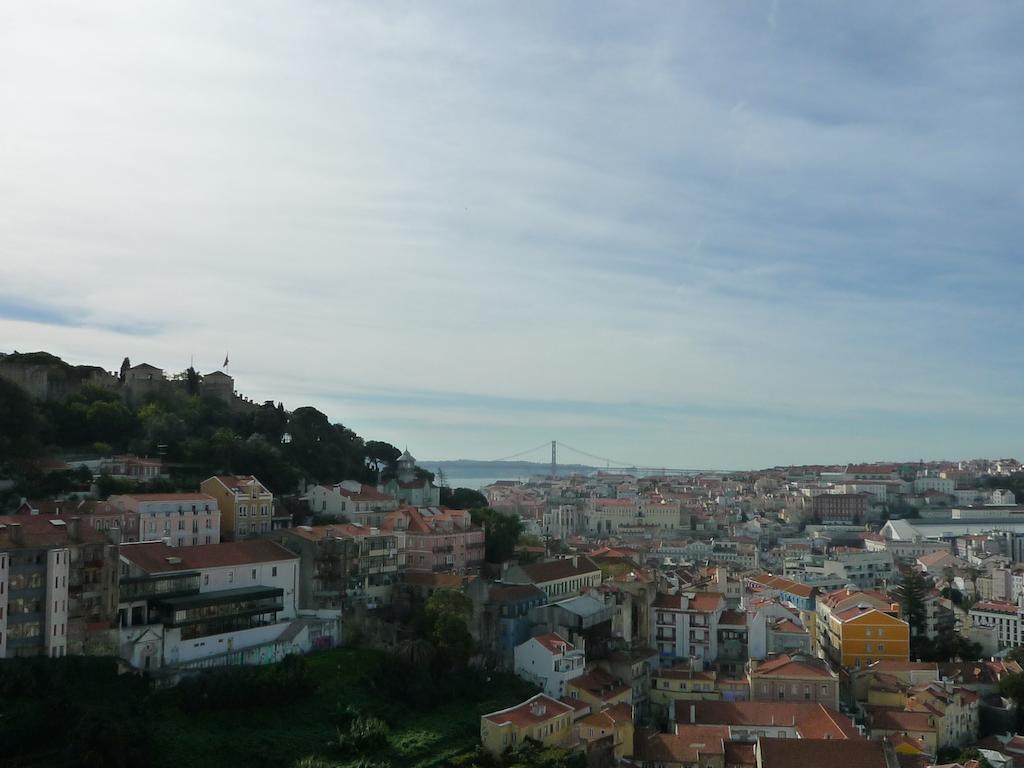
[554,462]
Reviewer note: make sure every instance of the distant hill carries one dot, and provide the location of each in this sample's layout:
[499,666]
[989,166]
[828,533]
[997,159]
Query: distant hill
[471,468]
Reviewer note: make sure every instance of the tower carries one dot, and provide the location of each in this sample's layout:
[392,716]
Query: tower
[554,462]
[406,467]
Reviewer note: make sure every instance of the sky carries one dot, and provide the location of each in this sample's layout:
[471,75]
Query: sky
[694,235]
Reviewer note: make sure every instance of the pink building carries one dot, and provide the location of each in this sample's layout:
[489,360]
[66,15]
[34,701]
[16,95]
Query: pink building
[438,539]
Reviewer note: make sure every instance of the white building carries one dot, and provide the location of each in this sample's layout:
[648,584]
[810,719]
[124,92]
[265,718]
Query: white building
[549,661]
[214,604]
[352,499]
[1006,618]
[609,515]
[685,626]
[179,519]
[940,484]
[868,570]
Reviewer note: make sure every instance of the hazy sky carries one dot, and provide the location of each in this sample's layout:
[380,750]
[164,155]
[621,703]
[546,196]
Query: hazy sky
[693,234]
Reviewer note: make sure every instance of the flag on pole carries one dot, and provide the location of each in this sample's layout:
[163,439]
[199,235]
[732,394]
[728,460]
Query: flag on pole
[225,361]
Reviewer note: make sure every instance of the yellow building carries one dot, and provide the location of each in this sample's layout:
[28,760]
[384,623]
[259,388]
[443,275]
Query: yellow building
[861,635]
[683,684]
[599,689]
[246,506]
[615,721]
[857,627]
[540,718]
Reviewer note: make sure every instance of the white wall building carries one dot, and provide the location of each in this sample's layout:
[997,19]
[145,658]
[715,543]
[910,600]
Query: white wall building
[222,603]
[179,519]
[549,661]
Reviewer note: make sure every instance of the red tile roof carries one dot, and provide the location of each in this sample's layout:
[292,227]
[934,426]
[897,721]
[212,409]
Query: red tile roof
[553,570]
[609,716]
[599,684]
[240,483]
[534,711]
[39,531]
[895,719]
[555,643]
[994,607]
[365,493]
[820,753]
[335,530]
[794,666]
[688,745]
[811,720]
[153,556]
[788,626]
[171,497]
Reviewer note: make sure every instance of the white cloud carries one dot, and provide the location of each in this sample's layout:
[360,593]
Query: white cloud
[507,204]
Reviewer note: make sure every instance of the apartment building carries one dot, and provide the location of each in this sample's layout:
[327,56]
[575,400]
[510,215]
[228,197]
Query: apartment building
[866,569]
[346,563]
[685,626]
[246,506]
[550,662]
[358,502]
[856,628]
[58,587]
[840,507]
[794,677]
[1006,618]
[228,603]
[179,519]
[438,540]
[557,578]
[645,512]
[540,718]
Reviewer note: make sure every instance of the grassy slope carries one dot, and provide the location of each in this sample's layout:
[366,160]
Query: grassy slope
[272,736]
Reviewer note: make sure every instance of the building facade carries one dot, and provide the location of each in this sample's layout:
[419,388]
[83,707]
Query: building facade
[246,506]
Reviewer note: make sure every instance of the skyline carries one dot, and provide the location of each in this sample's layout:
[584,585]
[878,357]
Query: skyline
[704,236]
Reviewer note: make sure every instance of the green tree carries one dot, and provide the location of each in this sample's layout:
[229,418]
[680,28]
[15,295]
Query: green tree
[444,616]
[462,498]
[915,612]
[21,427]
[192,380]
[501,532]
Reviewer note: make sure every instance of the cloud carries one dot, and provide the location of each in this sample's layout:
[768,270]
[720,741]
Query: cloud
[721,240]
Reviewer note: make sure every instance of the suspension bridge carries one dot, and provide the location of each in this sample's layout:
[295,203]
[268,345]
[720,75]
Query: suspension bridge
[557,445]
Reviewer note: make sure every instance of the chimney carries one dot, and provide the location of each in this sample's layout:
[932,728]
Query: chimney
[75,529]
[15,533]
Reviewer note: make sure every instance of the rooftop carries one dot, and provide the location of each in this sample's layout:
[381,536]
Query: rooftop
[157,557]
[534,711]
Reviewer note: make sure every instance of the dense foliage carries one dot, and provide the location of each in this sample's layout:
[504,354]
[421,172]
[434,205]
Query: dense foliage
[196,436]
[501,532]
[245,687]
[74,711]
[462,498]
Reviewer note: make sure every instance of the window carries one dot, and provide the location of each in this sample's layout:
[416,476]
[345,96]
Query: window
[273,571]
[206,579]
[231,577]
[254,574]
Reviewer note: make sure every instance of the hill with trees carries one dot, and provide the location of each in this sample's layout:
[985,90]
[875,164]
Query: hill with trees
[195,435]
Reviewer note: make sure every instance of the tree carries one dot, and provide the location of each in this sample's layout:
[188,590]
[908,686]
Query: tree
[20,426]
[462,498]
[443,623]
[915,612]
[501,532]
[191,381]
[126,364]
